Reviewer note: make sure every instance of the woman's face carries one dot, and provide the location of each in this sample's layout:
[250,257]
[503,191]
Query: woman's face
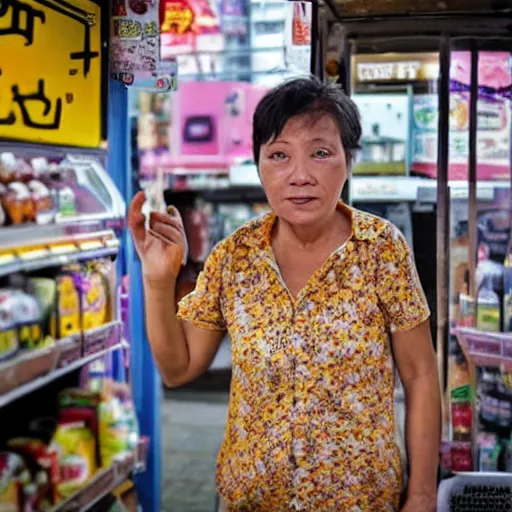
[304,169]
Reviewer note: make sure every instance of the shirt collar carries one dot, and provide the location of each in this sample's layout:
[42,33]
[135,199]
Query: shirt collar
[365,227]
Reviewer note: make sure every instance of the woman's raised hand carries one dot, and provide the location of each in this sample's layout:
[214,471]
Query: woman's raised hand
[163,248]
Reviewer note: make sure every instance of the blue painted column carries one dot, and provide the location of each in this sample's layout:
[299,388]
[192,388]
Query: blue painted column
[117,168]
[146,385]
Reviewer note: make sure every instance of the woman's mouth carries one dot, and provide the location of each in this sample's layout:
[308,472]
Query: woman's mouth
[301,200]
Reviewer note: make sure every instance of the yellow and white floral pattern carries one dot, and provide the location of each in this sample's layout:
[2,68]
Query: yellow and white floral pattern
[311,417]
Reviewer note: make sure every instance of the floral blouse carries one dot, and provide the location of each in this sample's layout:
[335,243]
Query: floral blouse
[311,416]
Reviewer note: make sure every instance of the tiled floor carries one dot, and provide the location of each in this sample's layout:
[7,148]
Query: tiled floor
[192,430]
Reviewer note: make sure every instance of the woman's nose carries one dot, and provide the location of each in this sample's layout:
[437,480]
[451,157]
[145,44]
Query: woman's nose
[300,175]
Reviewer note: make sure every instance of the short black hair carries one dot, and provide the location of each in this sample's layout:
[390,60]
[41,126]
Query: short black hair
[300,96]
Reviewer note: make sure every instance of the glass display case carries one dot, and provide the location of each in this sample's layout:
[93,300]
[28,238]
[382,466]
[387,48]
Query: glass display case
[60,219]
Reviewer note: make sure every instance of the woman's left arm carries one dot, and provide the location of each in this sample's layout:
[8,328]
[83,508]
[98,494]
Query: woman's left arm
[416,362]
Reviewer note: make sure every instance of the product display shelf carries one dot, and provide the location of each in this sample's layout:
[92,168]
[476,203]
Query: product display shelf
[486,348]
[30,371]
[106,480]
[26,249]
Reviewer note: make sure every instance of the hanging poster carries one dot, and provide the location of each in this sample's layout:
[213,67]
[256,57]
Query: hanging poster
[190,33]
[51,57]
[135,33]
[494,120]
[135,46]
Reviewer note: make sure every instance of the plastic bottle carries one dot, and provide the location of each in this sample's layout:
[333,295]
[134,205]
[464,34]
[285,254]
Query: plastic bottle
[488,313]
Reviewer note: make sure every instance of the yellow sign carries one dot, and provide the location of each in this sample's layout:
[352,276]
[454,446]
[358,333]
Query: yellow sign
[50,71]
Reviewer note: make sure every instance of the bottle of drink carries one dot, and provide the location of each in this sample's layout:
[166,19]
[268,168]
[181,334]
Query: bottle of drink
[488,314]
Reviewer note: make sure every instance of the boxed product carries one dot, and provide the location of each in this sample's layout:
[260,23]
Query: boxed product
[96,301]
[488,451]
[461,456]
[66,318]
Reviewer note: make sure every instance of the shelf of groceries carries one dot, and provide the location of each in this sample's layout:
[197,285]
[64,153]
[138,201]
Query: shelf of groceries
[479,451]
[32,369]
[65,250]
[58,214]
[66,448]
[106,480]
[71,463]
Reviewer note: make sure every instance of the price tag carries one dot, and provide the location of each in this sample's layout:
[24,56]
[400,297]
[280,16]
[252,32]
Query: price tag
[6,259]
[57,250]
[374,187]
[90,245]
[34,254]
[112,243]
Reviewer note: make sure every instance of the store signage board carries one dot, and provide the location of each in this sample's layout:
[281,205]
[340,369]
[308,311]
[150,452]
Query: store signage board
[391,68]
[51,72]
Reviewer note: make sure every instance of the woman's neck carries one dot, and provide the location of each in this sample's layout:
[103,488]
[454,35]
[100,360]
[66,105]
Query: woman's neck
[332,231]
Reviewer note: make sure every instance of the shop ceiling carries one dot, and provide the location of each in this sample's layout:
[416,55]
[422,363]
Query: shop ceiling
[384,22]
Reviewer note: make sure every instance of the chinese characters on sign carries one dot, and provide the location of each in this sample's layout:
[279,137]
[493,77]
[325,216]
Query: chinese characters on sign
[50,71]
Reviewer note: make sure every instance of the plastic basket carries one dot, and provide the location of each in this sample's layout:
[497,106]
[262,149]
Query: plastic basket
[476,492]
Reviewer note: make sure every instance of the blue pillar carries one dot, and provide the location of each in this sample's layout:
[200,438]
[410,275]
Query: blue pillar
[146,385]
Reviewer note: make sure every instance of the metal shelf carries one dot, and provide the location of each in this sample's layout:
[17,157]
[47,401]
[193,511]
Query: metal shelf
[50,260]
[49,355]
[26,249]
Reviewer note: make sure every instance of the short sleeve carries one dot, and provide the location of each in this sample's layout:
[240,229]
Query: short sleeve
[398,284]
[202,307]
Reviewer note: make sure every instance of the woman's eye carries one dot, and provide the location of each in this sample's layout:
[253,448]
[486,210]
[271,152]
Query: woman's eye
[322,153]
[278,155]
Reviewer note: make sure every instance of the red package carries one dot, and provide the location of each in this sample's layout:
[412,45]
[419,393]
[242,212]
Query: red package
[462,457]
[462,421]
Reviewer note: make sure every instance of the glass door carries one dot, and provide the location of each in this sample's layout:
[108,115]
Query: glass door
[480,358]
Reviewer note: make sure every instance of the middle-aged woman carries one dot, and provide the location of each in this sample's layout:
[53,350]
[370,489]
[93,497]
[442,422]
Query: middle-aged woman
[321,301]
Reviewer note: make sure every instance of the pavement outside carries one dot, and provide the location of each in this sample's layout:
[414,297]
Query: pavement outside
[192,430]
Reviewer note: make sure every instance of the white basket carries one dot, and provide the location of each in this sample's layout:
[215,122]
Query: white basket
[455,487]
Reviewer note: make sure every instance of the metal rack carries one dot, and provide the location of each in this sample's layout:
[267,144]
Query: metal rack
[28,248]
[415,26]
